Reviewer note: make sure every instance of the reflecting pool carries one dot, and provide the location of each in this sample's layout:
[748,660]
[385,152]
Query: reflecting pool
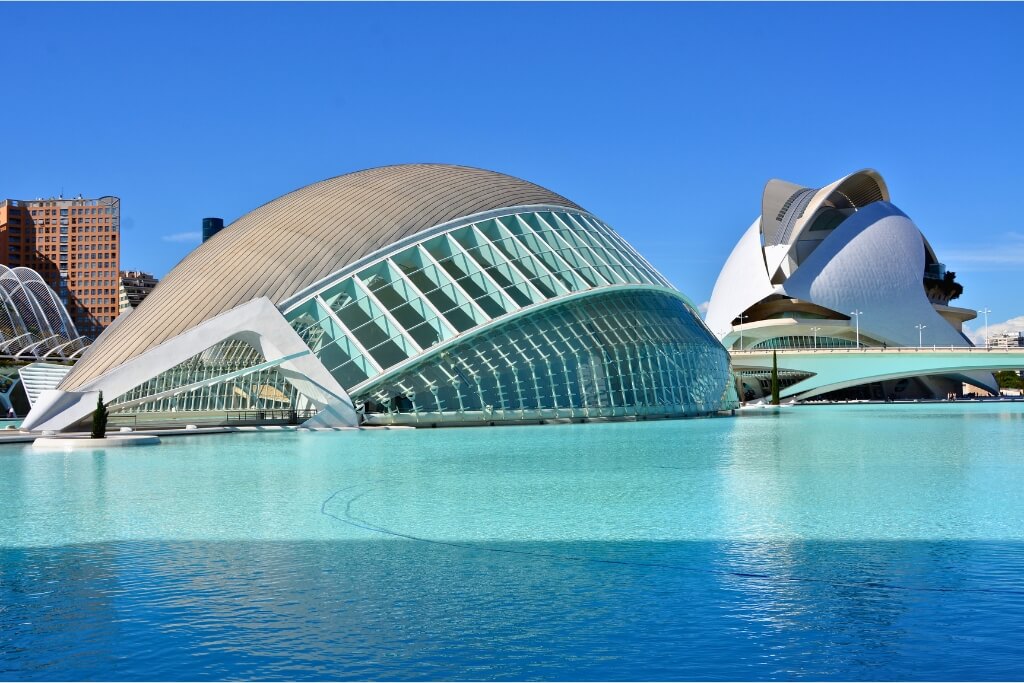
[825,542]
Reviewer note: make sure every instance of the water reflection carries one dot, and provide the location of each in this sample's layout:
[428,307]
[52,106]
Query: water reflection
[394,609]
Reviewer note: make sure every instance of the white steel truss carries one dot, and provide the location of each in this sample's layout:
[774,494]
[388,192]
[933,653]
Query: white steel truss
[33,322]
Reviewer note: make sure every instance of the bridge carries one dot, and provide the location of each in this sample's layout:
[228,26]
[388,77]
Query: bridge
[840,368]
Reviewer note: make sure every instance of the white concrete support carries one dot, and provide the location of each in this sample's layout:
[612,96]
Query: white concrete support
[39,377]
[258,322]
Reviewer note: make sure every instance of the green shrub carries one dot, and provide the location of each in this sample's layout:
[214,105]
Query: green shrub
[1008,379]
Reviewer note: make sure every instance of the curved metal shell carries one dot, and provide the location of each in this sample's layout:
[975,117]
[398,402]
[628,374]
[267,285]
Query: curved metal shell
[296,240]
[743,282]
[874,261]
[858,190]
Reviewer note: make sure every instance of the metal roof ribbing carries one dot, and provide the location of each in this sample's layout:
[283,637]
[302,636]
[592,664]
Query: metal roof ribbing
[289,243]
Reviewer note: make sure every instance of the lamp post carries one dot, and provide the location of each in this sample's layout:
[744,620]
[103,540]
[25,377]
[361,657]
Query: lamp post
[815,330]
[920,329]
[741,318]
[857,315]
[724,333]
[986,311]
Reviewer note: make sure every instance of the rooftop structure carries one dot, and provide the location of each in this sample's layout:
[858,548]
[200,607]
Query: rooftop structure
[211,226]
[839,267]
[430,294]
[74,244]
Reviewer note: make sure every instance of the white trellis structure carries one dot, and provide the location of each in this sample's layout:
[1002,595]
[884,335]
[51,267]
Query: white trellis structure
[34,324]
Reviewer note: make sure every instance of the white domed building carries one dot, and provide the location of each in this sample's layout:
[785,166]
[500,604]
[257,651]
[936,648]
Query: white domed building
[838,267]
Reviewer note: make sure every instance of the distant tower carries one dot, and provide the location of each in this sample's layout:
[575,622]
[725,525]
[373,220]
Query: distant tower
[211,226]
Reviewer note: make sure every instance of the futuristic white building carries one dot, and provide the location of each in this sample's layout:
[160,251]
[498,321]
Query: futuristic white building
[34,324]
[838,267]
[35,329]
[426,294]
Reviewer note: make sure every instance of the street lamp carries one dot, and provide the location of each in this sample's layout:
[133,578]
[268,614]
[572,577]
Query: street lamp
[986,312]
[857,315]
[920,329]
[741,317]
[815,330]
[724,333]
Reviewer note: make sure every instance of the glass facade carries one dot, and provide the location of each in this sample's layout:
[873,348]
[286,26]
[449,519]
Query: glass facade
[261,389]
[610,355]
[806,341]
[446,285]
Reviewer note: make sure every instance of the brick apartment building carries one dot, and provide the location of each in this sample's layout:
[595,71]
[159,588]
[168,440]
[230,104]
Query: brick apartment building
[75,245]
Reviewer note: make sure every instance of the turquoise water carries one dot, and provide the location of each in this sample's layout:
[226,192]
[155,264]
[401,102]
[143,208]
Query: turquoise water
[860,542]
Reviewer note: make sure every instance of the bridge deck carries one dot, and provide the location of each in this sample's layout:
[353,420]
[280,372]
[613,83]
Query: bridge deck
[832,369]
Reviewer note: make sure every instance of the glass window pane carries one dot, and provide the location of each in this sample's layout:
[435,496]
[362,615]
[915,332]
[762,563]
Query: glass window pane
[461,318]
[389,353]
[426,335]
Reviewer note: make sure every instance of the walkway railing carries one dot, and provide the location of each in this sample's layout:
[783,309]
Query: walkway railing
[878,349]
[289,416]
[210,418]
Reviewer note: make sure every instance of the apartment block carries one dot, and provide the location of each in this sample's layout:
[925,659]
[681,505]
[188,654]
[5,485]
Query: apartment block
[75,245]
[1006,340]
[134,286]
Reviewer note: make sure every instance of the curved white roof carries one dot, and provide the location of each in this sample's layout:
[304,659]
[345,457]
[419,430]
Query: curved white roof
[874,262]
[741,284]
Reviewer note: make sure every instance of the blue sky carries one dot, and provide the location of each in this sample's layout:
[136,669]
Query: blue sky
[663,119]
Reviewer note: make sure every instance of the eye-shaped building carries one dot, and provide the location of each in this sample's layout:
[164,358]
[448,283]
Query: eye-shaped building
[424,294]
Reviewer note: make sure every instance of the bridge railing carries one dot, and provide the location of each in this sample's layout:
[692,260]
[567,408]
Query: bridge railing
[211,418]
[880,349]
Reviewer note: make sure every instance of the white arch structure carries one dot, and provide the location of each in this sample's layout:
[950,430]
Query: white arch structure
[258,323]
[33,322]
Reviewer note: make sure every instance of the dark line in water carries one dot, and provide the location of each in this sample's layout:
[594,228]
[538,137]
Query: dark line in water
[358,523]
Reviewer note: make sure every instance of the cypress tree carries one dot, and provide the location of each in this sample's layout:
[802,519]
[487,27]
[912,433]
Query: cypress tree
[775,379]
[99,419]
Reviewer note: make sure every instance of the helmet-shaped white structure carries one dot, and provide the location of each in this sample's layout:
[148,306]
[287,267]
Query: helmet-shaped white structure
[834,267]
